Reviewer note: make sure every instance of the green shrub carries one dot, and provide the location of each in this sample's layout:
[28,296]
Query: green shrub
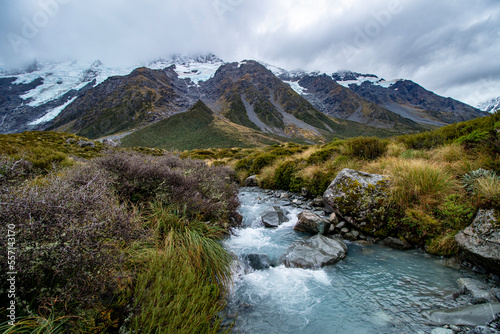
[284,177]
[369,148]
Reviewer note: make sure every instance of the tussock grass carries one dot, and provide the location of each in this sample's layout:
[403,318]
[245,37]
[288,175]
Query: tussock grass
[182,282]
[419,181]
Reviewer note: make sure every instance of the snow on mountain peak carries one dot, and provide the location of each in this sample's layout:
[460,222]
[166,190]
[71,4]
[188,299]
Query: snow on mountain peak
[196,68]
[490,105]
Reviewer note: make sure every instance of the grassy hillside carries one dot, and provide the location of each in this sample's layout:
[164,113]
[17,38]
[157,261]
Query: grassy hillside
[197,128]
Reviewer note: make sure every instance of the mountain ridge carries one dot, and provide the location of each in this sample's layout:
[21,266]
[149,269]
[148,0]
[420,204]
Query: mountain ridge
[259,96]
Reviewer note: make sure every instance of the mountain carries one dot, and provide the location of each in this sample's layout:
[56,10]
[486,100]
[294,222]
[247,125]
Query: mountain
[122,103]
[402,97]
[95,100]
[490,105]
[31,97]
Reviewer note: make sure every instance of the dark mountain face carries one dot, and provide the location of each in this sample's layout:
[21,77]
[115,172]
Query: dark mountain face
[337,101]
[121,103]
[250,95]
[414,102]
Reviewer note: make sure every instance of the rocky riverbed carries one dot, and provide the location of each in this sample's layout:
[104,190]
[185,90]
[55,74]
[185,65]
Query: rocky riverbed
[301,269]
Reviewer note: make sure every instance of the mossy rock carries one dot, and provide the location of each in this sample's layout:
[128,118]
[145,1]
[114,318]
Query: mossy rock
[359,198]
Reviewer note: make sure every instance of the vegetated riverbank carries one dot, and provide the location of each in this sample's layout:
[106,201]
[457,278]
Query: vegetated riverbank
[125,241]
[438,179]
[374,289]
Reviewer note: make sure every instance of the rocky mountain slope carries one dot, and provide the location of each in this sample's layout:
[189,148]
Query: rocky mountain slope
[402,97]
[95,100]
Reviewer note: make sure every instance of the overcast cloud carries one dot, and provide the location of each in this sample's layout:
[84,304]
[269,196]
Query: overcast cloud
[451,47]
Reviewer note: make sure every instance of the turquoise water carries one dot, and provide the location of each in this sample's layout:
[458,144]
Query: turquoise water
[374,290]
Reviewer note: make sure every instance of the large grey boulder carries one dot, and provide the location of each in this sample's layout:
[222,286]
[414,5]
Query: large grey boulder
[475,315]
[273,217]
[309,222]
[357,197]
[480,242]
[315,252]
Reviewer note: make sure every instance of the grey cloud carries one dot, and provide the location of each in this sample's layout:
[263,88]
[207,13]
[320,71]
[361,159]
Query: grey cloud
[443,45]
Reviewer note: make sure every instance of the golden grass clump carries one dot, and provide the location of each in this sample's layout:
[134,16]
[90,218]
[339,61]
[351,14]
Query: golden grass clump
[419,181]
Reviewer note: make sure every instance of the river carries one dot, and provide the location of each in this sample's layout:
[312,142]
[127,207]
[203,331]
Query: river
[374,290]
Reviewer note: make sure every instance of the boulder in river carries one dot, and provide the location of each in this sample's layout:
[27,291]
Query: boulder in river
[315,252]
[258,261]
[273,217]
[310,222]
[475,315]
[480,242]
[357,197]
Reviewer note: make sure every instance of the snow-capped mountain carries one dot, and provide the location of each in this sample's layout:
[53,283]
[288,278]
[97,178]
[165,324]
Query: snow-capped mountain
[43,89]
[32,98]
[490,105]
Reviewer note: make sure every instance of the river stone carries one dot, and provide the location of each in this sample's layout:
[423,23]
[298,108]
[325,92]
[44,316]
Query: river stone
[475,315]
[357,197]
[442,331]
[309,222]
[315,252]
[397,243]
[258,261]
[479,243]
[273,217]
[251,181]
[317,202]
[476,289]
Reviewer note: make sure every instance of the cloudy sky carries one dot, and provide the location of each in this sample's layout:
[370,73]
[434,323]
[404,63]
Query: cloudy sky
[449,46]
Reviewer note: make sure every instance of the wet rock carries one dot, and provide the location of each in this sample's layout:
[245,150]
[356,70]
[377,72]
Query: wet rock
[344,231]
[273,217]
[258,261]
[475,315]
[284,195]
[315,252]
[357,196]
[317,202]
[480,242]
[70,140]
[476,289]
[340,225]
[304,192]
[441,331]
[351,236]
[397,243]
[334,219]
[310,222]
[251,181]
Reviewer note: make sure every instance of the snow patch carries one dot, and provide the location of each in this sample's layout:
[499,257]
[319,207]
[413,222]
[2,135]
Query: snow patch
[296,87]
[52,113]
